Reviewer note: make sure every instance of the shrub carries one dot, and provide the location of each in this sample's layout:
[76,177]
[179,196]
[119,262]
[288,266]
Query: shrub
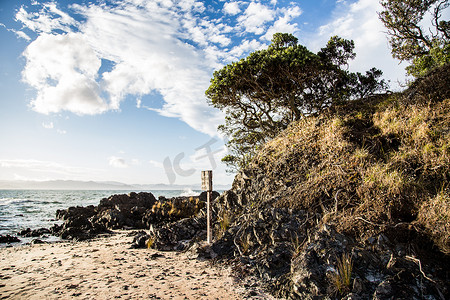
[342,279]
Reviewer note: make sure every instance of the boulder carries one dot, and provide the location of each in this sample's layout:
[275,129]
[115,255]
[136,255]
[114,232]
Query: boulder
[34,233]
[9,239]
[140,240]
[175,236]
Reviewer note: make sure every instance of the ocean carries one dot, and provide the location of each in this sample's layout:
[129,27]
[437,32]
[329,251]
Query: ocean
[22,209]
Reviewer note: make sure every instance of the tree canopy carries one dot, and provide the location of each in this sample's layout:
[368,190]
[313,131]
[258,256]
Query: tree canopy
[262,93]
[412,37]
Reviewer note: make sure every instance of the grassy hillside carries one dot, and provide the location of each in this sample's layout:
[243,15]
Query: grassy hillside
[378,165]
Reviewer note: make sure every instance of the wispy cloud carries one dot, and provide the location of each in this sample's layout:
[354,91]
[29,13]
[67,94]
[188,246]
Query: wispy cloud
[44,167]
[48,125]
[117,162]
[47,19]
[19,33]
[156,164]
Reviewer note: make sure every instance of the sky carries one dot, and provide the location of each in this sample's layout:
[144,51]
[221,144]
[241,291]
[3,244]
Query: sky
[115,90]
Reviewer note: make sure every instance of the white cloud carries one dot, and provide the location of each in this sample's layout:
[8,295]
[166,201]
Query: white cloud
[255,17]
[22,35]
[283,23]
[359,21]
[63,70]
[156,164]
[48,125]
[231,8]
[117,162]
[48,167]
[60,131]
[161,47]
[244,48]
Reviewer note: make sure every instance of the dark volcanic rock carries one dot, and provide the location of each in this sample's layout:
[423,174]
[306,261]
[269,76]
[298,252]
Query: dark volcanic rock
[110,218]
[140,240]
[124,203]
[117,211]
[37,241]
[203,196]
[135,210]
[34,233]
[175,236]
[74,212]
[9,239]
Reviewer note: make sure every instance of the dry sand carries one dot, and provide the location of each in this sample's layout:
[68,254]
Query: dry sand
[106,268]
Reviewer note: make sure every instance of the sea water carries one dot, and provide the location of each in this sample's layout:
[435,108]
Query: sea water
[22,209]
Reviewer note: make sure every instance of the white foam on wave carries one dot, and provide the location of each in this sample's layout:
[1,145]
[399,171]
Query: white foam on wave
[189,192]
[11,201]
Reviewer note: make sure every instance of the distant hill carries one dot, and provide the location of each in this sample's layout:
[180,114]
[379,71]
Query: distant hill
[94,185]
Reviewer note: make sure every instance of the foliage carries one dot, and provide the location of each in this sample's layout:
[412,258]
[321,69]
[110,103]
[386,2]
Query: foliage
[411,39]
[264,92]
[433,87]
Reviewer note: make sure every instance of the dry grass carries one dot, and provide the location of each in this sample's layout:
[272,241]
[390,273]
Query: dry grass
[178,207]
[386,161]
[150,242]
[434,215]
[224,224]
[245,244]
[342,279]
[296,245]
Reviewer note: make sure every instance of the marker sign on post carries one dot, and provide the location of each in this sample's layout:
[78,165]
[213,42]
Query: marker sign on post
[207,186]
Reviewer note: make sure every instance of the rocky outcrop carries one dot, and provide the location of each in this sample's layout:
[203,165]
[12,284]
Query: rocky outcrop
[132,211]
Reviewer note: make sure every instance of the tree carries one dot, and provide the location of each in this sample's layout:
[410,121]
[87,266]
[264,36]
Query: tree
[412,39]
[264,92]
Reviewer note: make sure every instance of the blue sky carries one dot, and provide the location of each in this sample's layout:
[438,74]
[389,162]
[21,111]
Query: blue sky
[114,90]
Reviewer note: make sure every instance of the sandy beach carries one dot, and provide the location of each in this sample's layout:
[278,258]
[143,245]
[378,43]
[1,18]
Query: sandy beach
[105,268]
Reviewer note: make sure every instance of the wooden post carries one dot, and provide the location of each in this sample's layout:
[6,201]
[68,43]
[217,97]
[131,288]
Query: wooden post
[208,217]
[207,186]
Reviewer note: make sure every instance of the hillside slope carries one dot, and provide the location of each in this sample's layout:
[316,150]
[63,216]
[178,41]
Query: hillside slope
[365,185]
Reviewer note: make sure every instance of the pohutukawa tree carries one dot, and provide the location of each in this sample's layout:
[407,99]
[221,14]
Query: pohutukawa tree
[262,93]
[418,32]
